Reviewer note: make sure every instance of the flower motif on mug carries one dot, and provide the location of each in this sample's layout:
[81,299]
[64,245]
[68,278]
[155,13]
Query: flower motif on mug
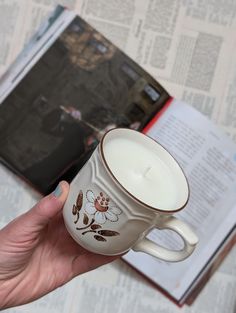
[101,208]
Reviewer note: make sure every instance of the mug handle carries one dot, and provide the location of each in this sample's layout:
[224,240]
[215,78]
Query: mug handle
[181,228]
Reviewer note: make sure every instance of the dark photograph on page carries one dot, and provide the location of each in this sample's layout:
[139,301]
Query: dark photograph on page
[80,88]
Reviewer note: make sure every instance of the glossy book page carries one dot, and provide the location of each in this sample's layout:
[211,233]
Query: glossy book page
[80,87]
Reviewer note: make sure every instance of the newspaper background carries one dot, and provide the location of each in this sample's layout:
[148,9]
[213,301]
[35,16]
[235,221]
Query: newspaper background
[189,47]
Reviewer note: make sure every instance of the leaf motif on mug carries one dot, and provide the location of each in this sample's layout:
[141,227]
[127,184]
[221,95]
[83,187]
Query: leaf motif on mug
[79,201]
[86,219]
[74,210]
[99,238]
[108,233]
[95,226]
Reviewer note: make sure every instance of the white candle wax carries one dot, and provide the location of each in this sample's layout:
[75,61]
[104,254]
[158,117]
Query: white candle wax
[141,172]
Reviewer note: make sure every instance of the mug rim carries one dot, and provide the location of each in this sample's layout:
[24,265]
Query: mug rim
[102,154]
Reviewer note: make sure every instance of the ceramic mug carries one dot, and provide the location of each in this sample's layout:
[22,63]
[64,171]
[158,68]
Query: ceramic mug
[129,186]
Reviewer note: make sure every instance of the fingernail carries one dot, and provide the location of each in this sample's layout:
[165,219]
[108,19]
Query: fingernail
[58,191]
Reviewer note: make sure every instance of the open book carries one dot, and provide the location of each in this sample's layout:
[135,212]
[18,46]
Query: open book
[70,85]
[209,161]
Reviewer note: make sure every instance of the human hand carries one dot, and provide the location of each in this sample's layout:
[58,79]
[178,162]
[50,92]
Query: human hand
[37,254]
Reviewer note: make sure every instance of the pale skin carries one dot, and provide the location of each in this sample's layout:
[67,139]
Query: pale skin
[37,254]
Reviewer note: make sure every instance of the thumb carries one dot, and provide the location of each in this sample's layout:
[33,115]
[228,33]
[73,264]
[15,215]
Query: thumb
[48,207]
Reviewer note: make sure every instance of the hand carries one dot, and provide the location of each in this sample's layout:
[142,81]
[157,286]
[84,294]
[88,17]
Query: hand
[37,253]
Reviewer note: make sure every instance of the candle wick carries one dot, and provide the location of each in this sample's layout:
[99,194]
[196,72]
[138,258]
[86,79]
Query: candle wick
[146,171]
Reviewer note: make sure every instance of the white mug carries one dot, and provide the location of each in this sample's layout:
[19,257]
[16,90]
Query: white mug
[129,186]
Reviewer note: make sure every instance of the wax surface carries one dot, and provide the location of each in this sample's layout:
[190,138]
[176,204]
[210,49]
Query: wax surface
[141,172]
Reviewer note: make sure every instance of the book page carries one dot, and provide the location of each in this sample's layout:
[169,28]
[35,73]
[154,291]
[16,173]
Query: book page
[71,87]
[209,161]
[172,33]
[117,287]
[19,21]
[188,46]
